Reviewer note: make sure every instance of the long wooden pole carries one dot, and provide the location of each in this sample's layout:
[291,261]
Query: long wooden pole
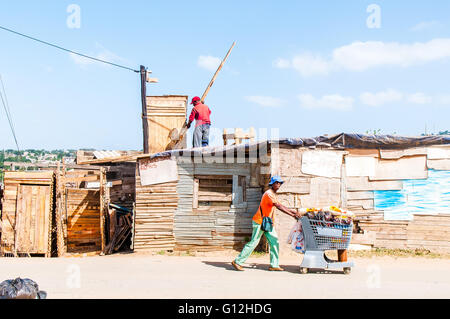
[177,143]
[217,72]
[144,107]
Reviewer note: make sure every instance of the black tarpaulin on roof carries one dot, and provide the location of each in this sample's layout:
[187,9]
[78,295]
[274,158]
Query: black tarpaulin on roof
[340,141]
[345,140]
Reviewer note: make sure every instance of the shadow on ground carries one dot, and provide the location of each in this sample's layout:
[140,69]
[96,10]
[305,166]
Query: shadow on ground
[254,266]
[250,266]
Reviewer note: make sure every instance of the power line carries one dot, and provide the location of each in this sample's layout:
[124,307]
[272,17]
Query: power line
[70,51]
[6,99]
[8,114]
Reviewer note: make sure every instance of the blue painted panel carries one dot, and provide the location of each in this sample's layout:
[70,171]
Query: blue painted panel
[430,196]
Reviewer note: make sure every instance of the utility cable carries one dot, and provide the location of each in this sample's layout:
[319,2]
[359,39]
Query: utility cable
[70,51]
[6,100]
[8,114]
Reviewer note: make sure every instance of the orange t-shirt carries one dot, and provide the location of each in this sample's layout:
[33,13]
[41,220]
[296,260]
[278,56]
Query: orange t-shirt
[267,205]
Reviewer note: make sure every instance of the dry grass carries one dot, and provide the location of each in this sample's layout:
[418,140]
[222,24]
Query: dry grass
[405,253]
[376,252]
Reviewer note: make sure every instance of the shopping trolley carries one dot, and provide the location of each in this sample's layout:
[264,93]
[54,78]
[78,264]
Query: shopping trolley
[320,236]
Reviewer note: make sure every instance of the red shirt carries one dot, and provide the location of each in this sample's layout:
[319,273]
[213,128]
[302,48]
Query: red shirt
[201,113]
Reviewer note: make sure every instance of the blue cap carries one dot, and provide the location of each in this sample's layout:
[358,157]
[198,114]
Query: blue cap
[275,179]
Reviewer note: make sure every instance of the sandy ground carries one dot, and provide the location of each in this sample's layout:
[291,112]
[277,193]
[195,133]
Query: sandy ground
[158,276]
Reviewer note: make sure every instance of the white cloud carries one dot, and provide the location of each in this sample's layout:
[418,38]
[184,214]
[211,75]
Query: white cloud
[334,101]
[265,101]
[390,95]
[425,25]
[208,62]
[443,99]
[308,65]
[419,98]
[361,56]
[282,63]
[380,98]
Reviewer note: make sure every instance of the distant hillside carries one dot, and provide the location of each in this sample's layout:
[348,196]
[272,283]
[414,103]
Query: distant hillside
[33,156]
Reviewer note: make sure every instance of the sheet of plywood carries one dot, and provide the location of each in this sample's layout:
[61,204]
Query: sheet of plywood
[290,162]
[322,163]
[360,166]
[439,164]
[414,167]
[154,171]
[295,185]
[363,184]
[360,195]
[363,152]
[364,203]
[396,154]
[323,192]
[438,152]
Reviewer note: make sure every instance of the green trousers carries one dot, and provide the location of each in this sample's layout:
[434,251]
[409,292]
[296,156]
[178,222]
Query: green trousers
[272,238]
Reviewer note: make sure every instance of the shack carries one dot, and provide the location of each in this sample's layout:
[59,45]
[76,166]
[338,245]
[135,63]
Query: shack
[66,211]
[27,218]
[203,199]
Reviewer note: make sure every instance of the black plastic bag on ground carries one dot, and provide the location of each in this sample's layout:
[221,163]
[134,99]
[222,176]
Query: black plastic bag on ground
[21,289]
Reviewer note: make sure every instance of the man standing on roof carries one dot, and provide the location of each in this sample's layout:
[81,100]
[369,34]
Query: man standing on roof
[200,112]
[268,204]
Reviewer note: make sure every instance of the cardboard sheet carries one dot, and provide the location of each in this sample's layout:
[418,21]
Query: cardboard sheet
[157,171]
[360,166]
[414,167]
[322,163]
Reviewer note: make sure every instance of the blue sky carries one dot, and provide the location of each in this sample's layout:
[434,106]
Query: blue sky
[305,67]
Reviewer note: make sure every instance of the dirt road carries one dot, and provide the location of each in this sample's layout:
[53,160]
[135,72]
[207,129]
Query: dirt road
[155,276]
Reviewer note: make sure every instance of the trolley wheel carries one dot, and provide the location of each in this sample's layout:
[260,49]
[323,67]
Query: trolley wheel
[303,270]
[347,270]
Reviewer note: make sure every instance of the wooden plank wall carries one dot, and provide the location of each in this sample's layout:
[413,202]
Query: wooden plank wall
[12,182]
[431,232]
[33,219]
[154,215]
[214,227]
[83,220]
[164,113]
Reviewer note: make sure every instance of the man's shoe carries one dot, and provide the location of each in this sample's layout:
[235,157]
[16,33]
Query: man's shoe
[236,266]
[276,269]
